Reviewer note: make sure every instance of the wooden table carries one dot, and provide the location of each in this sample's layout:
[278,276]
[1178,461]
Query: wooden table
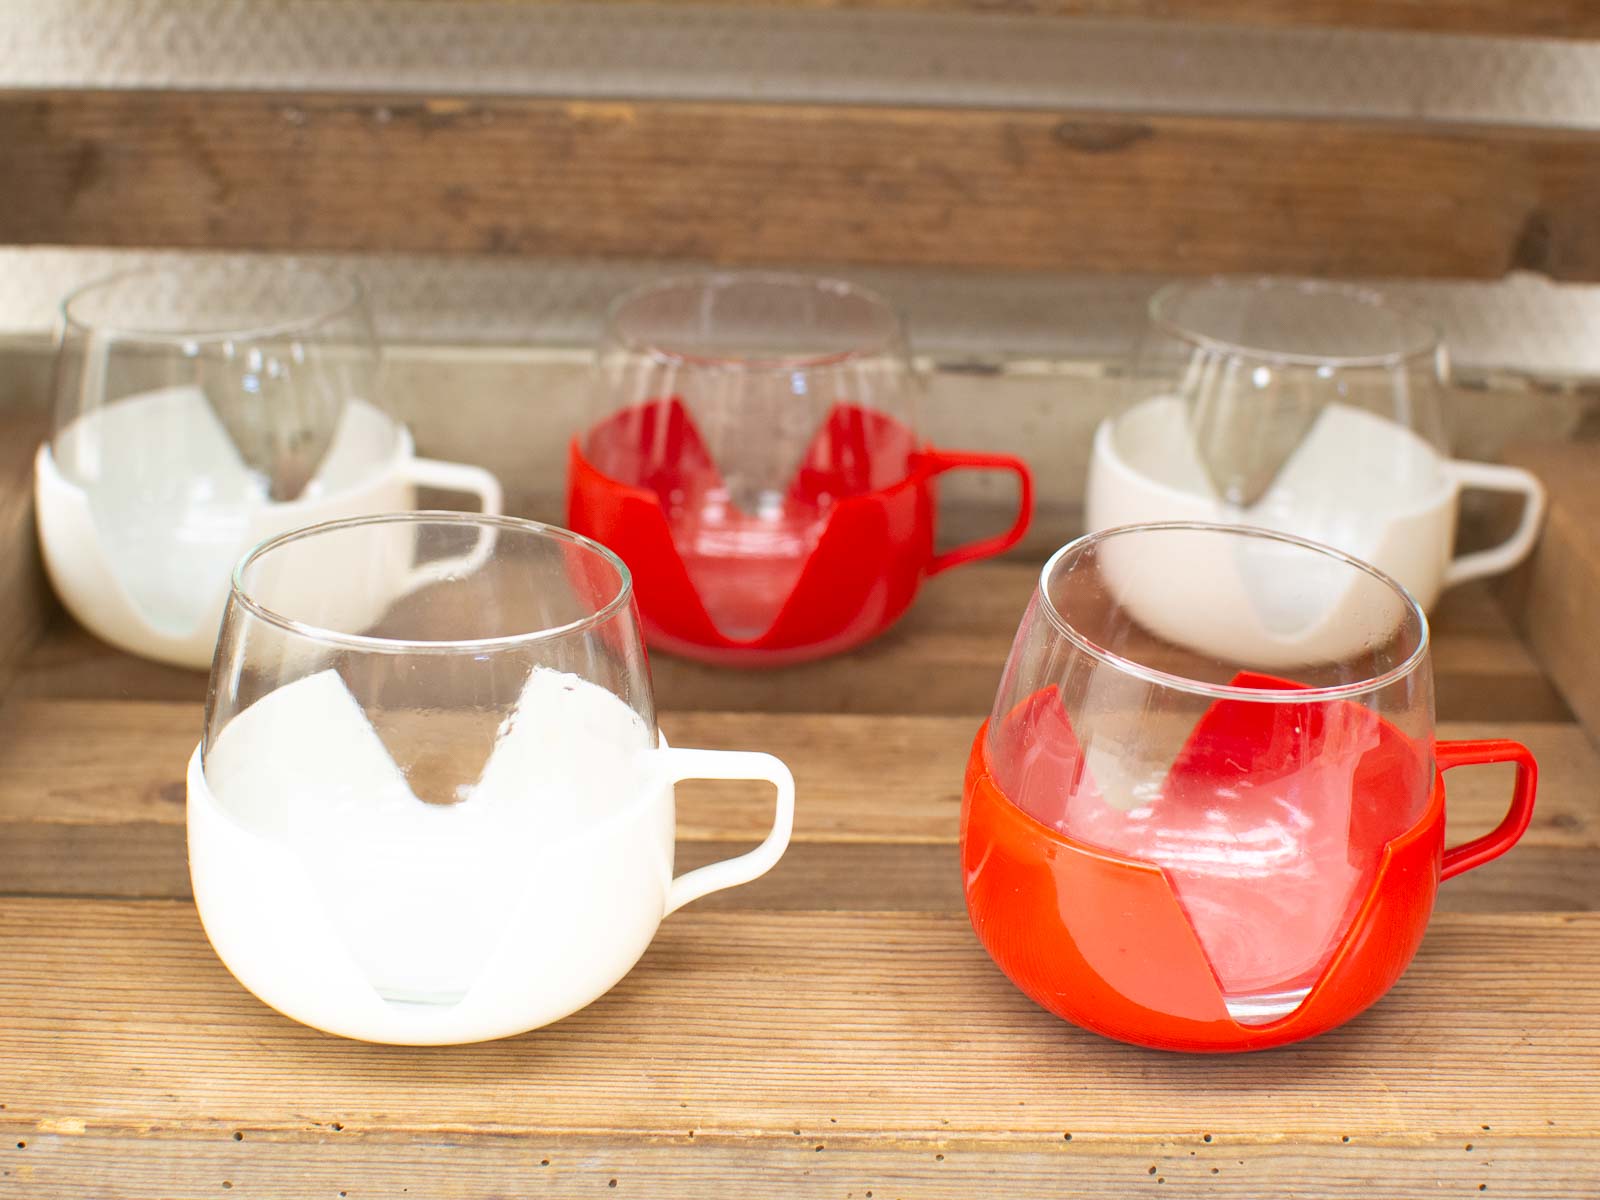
[833,1030]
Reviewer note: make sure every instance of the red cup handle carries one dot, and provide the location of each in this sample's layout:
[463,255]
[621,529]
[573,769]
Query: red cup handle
[937,462]
[1504,835]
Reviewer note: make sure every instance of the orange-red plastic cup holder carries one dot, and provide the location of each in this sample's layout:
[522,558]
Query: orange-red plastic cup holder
[860,546]
[1102,940]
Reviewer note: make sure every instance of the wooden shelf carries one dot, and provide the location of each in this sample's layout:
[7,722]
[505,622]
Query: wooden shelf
[830,1030]
[770,183]
[1507,18]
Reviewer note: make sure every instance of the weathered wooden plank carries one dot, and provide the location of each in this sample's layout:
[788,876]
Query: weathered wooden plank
[91,803]
[944,658]
[1508,18]
[738,183]
[1556,597]
[145,860]
[110,1164]
[66,661]
[866,779]
[25,601]
[890,1028]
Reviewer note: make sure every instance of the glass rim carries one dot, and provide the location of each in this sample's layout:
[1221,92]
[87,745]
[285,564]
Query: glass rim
[239,593]
[1427,340]
[353,297]
[1229,691]
[890,340]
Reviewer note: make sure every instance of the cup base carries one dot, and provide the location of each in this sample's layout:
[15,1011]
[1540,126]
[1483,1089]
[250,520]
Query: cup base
[1102,940]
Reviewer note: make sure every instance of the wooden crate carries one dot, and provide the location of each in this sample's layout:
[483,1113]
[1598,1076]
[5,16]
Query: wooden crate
[832,1030]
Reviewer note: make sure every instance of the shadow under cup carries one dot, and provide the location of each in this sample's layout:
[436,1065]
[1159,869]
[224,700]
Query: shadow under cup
[1206,811]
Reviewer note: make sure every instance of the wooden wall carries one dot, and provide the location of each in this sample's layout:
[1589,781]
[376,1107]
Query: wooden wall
[772,183]
[744,181]
[902,184]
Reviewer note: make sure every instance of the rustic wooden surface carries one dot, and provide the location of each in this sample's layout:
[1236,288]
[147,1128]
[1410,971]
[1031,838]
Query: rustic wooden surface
[830,1031]
[1532,18]
[25,603]
[944,658]
[1030,190]
[1556,596]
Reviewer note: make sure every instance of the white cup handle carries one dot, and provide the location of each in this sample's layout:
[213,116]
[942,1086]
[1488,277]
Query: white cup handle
[458,477]
[678,765]
[472,481]
[1493,477]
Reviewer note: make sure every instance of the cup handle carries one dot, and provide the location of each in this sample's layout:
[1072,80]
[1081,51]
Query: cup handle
[937,462]
[472,481]
[458,477]
[1512,826]
[678,765]
[1493,477]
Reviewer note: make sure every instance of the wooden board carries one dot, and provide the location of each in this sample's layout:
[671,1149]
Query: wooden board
[91,803]
[1557,595]
[742,183]
[944,658]
[1534,18]
[25,603]
[831,1031]
[812,1054]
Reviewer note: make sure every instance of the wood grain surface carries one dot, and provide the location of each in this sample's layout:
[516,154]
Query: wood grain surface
[944,659]
[741,183]
[91,803]
[779,1040]
[832,1030]
[1556,596]
[25,602]
[1534,18]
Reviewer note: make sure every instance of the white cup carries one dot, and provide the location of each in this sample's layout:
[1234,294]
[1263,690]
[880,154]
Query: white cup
[141,554]
[1357,482]
[459,830]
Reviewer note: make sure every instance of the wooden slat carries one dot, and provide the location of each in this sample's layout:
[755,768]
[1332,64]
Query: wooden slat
[1510,18]
[25,602]
[944,658]
[744,1042]
[1079,191]
[1556,598]
[91,803]
[467,1166]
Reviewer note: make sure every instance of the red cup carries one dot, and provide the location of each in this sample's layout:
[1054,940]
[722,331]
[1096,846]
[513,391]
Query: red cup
[1186,859]
[773,508]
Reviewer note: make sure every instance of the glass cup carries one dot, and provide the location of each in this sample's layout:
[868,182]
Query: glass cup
[1314,408]
[1185,830]
[199,410]
[432,804]
[757,463]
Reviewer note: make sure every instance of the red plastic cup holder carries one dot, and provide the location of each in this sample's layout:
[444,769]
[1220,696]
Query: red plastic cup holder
[834,564]
[1118,932]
